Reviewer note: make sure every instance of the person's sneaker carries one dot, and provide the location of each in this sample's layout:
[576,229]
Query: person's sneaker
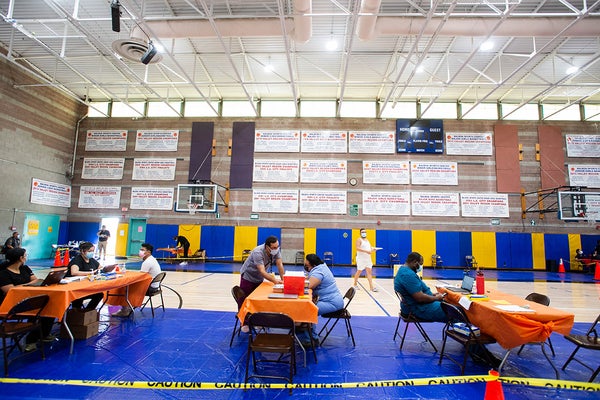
[30,347]
[123,313]
[245,329]
[48,339]
[375,289]
[356,287]
[183,263]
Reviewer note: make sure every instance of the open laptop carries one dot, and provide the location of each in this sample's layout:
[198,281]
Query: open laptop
[52,278]
[465,287]
[109,268]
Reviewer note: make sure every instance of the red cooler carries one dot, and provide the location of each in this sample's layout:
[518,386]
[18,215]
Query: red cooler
[293,283]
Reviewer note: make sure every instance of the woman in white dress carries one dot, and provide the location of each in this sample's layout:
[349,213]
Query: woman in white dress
[363,259]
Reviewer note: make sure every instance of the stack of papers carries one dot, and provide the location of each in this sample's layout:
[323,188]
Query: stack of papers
[514,308]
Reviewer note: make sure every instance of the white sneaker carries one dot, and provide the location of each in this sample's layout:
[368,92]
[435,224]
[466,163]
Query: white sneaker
[356,287]
[245,329]
[375,289]
[183,263]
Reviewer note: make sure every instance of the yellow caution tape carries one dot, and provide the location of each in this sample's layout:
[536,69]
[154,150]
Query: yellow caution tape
[447,380]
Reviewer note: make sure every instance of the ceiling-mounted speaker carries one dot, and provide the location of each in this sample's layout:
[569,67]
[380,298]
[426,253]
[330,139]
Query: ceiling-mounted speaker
[115,9]
[149,54]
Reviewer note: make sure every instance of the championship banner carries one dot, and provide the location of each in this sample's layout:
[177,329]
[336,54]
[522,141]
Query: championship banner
[323,171]
[323,202]
[103,168]
[275,201]
[584,175]
[324,141]
[276,171]
[434,173]
[386,203]
[106,140]
[99,196]
[154,169]
[484,205]
[50,193]
[469,144]
[156,140]
[435,204]
[372,142]
[151,198]
[583,145]
[276,141]
[386,172]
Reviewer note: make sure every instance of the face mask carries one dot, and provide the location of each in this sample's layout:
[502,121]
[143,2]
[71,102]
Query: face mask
[89,254]
[141,253]
[18,236]
[420,268]
[274,252]
[363,235]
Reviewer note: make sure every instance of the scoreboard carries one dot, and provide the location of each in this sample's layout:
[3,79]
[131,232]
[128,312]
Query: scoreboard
[420,136]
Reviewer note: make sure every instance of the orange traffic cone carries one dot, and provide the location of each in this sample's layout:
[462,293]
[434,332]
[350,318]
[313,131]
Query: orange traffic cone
[561,267]
[597,271]
[66,258]
[57,261]
[493,389]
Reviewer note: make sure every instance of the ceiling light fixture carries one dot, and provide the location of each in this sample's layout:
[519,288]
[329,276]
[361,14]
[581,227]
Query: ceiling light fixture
[487,45]
[331,45]
[419,69]
[572,69]
[115,10]
[149,54]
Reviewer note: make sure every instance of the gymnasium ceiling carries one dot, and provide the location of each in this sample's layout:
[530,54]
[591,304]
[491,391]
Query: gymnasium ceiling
[388,50]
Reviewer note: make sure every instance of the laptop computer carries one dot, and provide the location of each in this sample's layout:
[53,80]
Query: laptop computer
[109,268]
[52,278]
[283,296]
[465,287]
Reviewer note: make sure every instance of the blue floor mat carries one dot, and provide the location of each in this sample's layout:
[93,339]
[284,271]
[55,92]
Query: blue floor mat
[193,346]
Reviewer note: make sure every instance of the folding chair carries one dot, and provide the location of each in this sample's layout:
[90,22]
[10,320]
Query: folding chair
[545,301]
[21,320]
[408,319]
[457,315]
[328,258]
[588,341]
[340,314]
[299,258]
[238,294]
[153,291]
[262,339]
[246,254]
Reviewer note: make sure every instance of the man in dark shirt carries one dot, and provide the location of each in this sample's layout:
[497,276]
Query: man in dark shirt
[103,235]
[182,242]
[13,242]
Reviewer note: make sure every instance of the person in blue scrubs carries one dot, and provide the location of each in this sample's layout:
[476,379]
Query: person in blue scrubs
[417,296]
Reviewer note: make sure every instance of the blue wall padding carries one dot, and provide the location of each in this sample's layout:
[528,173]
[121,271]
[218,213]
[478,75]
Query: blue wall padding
[338,241]
[83,231]
[521,251]
[161,236]
[466,247]
[556,246]
[264,233]
[63,232]
[447,246]
[218,242]
[588,243]
[396,242]
[503,250]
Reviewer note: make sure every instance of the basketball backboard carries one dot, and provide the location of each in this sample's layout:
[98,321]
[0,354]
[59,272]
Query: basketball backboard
[579,206]
[196,197]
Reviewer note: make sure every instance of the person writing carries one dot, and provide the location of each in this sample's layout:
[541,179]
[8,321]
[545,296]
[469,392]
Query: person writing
[85,264]
[149,265]
[182,242]
[363,259]
[103,235]
[18,273]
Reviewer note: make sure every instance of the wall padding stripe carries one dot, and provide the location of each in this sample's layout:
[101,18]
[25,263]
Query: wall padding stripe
[122,235]
[484,248]
[192,234]
[574,244]
[538,249]
[424,243]
[310,240]
[245,238]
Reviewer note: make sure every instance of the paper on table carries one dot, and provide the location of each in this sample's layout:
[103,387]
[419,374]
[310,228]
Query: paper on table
[514,308]
[464,302]
[500,301]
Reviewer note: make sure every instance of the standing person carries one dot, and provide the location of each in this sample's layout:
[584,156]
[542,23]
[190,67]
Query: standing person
[103,235]
[13,242]
[149,265]
[182,242]
[18,273]
[363,259]
[85,264]
[257,267]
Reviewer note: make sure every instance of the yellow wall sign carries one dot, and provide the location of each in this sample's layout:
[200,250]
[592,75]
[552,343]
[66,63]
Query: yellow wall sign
[33,227]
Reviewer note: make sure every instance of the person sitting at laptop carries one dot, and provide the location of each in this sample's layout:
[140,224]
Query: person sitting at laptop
[85,264]
[18,273]
[417,296]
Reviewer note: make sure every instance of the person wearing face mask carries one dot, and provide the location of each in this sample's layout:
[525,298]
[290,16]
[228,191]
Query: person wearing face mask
[149,265]
[13,242]
[363,259]
[417,296]
[18,273]
[85,264]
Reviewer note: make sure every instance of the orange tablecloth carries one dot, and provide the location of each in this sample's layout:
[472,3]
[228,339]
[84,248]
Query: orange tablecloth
[61,296]
[300,310]
[512,329]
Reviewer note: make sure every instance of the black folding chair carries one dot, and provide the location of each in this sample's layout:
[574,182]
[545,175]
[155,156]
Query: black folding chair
[545,301]
[340,314]
[155,291]
[588,341]
[408,319]
[238,294]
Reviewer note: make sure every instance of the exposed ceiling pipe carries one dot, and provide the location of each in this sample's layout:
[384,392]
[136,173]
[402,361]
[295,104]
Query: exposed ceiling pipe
[300,26]
[366,23]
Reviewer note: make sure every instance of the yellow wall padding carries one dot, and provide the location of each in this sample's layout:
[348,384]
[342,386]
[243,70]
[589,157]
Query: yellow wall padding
[310,240]
[192,234]
[121,245]
[245,238]
[574,244]
[423,242]
[539,253]
[483,247]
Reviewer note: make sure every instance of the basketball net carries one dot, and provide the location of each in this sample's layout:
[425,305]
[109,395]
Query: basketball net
[192,208]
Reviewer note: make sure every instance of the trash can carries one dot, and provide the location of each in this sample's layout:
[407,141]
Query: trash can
[551,266]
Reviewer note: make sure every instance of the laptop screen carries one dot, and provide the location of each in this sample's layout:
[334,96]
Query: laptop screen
[468,282]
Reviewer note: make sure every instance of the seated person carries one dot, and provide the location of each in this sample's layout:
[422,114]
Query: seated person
[325,293]
[596,252]
[17,273]
[579,254]
[85,264]
[417,296]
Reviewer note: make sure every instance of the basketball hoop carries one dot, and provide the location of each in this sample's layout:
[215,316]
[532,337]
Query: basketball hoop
[591,218]
[192,208]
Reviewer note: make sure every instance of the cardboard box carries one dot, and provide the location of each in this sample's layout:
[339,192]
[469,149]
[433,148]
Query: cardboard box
[293,283]
[80,331]
[80,317]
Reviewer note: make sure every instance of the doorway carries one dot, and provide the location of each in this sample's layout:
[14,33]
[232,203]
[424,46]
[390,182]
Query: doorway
[112,225]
